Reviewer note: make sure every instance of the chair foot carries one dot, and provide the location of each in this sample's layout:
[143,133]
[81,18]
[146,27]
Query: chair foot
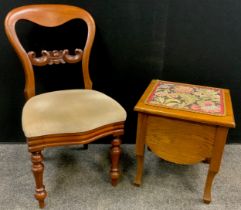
[41,204]
[37,169]
[85,146]
[115,157]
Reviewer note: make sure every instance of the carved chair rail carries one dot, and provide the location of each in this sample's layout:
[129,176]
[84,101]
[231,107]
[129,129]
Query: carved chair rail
[55,57]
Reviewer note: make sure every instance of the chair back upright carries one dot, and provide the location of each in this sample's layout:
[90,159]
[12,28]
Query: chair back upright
[49,15]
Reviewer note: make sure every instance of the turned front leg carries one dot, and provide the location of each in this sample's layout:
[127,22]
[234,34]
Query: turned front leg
[115,157]
[37,169]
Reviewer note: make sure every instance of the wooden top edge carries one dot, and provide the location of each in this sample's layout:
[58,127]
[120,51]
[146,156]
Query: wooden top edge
[184,83]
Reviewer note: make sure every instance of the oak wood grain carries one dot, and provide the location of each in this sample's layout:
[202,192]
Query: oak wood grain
[180,141]
[182,137]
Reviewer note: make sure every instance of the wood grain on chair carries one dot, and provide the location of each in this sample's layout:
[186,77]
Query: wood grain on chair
[110,121]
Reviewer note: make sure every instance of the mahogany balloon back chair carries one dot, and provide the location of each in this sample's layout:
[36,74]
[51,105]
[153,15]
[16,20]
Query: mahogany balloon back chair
[64,117]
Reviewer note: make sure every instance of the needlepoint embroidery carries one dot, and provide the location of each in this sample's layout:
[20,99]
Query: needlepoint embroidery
[201,99]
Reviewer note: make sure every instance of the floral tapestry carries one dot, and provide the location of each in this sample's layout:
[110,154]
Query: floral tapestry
[187,97]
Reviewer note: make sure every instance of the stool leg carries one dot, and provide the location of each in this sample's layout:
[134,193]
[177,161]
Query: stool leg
[37,169]
[140,161]
[208,186]
[115,157]
[140,147]
[220,139]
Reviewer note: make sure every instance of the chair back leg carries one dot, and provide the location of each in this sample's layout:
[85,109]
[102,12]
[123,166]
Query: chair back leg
[115,157]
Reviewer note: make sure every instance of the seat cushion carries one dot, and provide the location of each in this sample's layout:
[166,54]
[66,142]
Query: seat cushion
[69,111]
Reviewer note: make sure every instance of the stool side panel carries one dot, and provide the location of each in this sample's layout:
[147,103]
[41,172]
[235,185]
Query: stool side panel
[180,141]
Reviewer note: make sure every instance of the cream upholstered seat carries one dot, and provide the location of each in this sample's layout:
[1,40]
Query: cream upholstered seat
[64,117]
[69,111]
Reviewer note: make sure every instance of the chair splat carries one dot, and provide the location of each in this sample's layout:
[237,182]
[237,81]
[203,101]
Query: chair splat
[55,57]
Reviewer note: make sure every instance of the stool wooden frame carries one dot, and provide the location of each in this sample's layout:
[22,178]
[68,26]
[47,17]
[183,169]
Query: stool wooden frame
[182,137]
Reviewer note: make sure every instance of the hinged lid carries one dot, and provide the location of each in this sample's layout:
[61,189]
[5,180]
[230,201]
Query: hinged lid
[190,102]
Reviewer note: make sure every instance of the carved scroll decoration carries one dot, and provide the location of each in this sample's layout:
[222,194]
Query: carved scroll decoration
[55,57]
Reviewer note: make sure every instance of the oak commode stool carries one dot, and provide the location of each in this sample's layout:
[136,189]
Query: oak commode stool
[184,124]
